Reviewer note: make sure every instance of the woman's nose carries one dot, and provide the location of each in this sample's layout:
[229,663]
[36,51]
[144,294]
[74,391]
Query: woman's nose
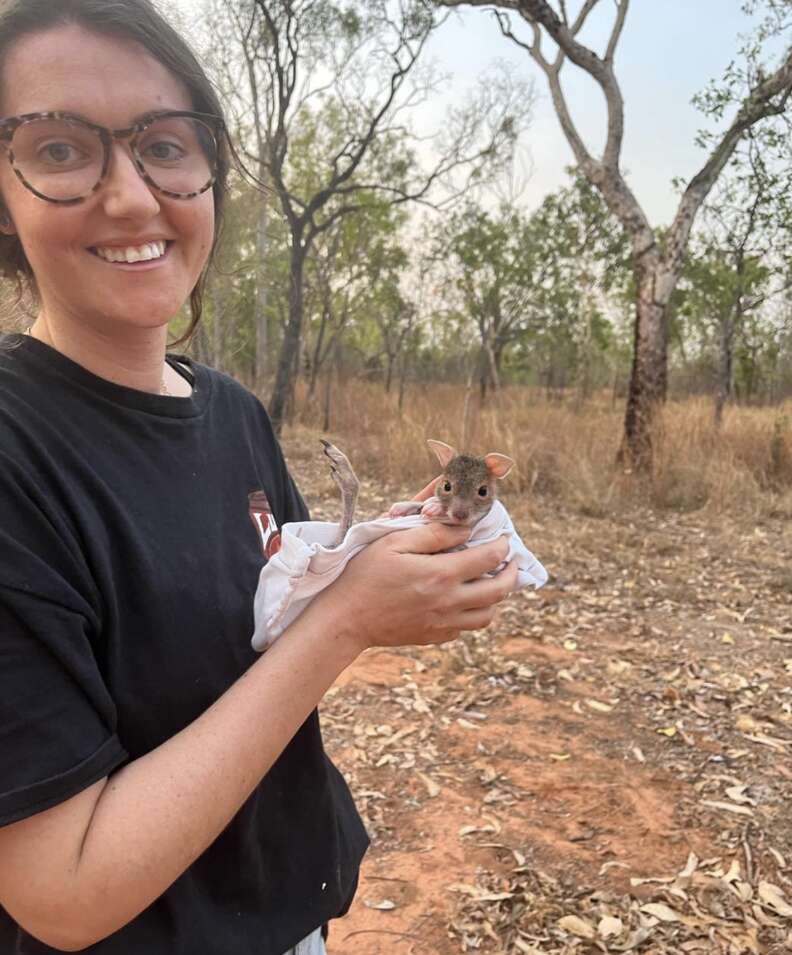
[125,193]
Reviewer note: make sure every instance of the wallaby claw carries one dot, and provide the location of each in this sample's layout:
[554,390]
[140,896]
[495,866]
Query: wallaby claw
[346,479]
[340,468]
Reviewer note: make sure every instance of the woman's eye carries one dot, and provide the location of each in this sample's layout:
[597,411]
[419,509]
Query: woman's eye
[59,153]
[447,487]
[163,152]
[483,490]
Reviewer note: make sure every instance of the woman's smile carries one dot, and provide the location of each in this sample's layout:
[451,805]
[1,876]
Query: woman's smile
[137,257]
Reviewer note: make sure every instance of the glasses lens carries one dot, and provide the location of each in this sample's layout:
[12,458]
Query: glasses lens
[179,154]
[58,158]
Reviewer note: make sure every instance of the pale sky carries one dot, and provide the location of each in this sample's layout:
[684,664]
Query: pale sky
[669,50]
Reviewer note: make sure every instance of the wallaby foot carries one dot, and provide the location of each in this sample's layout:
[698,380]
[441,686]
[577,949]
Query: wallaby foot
[346,479]
[404,508]
[433,509]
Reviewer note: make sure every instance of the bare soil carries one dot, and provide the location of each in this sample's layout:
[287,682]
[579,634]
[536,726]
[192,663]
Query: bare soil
[605,769]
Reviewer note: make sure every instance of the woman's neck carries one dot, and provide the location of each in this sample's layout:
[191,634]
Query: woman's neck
[138,362]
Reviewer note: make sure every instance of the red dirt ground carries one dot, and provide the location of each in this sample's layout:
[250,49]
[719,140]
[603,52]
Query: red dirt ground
[585,736]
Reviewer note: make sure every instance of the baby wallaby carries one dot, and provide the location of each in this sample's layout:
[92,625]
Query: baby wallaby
[463,494]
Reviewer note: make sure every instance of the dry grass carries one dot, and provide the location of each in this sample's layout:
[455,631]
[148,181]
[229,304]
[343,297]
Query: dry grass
[744,467]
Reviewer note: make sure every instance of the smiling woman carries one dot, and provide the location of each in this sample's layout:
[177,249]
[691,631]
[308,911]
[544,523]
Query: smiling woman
[99,191]
[163,789]
[113,470]
[163,46]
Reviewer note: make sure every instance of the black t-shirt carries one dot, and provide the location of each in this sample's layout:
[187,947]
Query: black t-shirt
[128,565]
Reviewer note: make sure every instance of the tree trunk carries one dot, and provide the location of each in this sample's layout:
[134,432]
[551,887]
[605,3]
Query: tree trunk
[647,387]
[483,375]
[316,362]
[465,438]
[331,370]
[725,365]
[260,319]
[494,372]
[402,382]
[218,327]
[284,379]
[583,363]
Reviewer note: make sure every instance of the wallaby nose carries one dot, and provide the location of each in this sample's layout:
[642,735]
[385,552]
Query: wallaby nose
[460,515]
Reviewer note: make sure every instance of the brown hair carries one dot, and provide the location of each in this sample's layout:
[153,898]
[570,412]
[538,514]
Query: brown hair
[137,20]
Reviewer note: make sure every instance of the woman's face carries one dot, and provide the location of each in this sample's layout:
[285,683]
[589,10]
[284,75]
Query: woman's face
[110,82]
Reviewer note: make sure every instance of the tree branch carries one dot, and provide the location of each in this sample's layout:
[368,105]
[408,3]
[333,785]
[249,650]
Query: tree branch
[618,26]
[585,10]
[757,105]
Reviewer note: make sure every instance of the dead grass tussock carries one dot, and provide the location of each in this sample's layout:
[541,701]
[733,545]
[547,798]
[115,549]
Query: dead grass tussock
[745,466]
[742,466]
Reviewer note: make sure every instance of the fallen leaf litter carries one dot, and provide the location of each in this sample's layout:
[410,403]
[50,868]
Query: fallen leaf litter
[532,785]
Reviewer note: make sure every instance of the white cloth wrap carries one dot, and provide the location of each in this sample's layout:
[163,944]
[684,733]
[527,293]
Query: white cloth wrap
[305,565]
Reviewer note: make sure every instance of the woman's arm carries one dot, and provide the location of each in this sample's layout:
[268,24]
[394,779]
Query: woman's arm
[78,872]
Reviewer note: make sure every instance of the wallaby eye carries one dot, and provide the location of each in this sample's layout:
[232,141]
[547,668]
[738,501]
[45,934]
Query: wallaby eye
[447,487]
[483,490]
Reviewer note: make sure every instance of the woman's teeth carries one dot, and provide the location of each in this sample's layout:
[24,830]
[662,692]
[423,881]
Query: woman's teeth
[140,253]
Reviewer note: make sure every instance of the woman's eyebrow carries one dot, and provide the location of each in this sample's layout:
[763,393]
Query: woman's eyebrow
[135,119]
[160,109]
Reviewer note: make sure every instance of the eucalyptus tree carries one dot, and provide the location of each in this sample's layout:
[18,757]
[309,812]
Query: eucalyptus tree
[585,278]
[489,271]
[347,78]
[352,288]
[752,92]
[742,253]
[540,284]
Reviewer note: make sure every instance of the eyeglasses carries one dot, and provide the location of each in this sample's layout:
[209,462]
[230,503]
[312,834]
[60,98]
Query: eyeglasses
[63,158]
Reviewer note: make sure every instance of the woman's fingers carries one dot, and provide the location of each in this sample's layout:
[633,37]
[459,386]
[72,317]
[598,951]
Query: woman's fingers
[473,562]
[406,589]
[429,538]
[476,619]
[428,491]
[482,593]
[481,602]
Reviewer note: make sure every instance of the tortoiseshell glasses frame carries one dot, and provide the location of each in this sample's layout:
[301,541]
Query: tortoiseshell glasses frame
[214,124]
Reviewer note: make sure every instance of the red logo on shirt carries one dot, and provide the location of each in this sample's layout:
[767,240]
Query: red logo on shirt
[264,522]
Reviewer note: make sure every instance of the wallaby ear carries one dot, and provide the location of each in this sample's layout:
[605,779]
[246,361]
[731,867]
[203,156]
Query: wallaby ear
[444,452]
[498,465]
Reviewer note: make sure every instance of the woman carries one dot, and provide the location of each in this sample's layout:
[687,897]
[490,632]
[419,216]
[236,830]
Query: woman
[163,789]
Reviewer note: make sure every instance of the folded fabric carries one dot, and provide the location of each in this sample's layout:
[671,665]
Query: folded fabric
[306,564]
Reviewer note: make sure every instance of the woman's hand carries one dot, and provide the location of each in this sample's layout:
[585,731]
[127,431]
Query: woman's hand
[403,590]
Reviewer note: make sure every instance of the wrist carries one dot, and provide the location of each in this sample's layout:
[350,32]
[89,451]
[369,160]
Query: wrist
[332,628]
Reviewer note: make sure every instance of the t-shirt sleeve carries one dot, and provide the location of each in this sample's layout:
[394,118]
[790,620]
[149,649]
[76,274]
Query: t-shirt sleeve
[295,507]
[288,504]
[57,717]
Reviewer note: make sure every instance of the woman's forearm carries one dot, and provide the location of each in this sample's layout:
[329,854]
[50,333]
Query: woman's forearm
[155,816]
[117,846]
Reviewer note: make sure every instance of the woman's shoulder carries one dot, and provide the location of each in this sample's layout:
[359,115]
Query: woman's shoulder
[225,387]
